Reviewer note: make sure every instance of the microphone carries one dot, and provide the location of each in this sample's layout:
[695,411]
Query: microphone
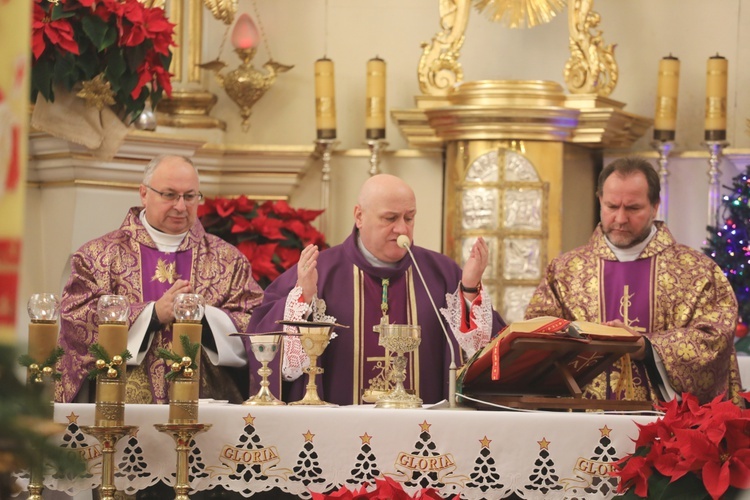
[404,242]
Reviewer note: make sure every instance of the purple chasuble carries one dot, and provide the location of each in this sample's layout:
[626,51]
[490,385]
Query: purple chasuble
[352,289]
[627,295]
[161,270]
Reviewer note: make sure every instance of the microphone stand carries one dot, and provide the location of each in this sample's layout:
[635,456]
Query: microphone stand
[404,242]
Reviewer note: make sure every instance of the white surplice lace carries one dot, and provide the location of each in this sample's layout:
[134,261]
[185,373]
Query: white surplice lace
[473,340]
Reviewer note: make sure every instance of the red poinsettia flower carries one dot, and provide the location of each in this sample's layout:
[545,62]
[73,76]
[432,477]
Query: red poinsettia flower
[250,226]
[59,33]
[149,72]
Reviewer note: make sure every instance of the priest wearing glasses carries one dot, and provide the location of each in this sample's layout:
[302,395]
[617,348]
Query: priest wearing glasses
[160,251]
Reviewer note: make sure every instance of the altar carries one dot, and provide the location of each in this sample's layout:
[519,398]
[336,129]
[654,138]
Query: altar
[479,454]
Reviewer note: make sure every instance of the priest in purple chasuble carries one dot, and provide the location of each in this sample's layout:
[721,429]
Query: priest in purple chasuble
[366,277]
[632,273]
[160,251]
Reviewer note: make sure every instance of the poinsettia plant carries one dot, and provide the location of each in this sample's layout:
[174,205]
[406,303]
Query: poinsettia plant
[384,489]
[271,234]
[693,451]
[111,52]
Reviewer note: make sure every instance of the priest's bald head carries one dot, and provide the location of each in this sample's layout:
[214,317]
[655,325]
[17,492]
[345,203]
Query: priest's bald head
[170,193]
[385,209]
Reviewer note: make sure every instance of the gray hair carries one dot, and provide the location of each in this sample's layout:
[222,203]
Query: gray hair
[154,164]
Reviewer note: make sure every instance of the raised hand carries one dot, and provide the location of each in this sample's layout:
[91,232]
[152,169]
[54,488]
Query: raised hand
[475,264]
[307,272]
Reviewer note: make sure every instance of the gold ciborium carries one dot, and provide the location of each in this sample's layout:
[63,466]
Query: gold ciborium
[399,339]
[264,347]
[314,337]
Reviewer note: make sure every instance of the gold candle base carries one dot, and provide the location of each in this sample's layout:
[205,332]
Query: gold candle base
[108,437]
[183,435]
[183,401]
[36,481]
[110,401]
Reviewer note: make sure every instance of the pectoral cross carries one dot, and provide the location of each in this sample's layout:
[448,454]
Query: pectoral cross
[625,304]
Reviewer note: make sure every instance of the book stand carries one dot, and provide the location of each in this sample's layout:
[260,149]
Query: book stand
[545,373]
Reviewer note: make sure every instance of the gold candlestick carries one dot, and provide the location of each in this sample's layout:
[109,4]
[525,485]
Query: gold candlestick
[112,311]
[44,310]
[108,437]
[183,437]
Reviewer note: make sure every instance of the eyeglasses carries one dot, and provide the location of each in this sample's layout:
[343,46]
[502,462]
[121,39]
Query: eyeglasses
[172,197]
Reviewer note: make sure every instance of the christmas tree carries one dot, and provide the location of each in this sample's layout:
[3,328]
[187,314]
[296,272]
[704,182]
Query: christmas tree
[729,246]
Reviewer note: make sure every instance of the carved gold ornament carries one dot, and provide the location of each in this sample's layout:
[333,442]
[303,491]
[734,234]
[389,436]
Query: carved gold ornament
[592,68]
[439,69]
[165,273]
[223,10]
[520,13]
[97,93]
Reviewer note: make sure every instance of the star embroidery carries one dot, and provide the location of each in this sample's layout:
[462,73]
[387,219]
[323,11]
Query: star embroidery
[605,431]
[544,444]
[72,418]
[365,439]
[165,272]
[425,426]
[485,442]
[308,436]
[249,420]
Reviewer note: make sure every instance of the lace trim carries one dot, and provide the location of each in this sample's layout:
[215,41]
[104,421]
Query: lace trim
[481,316]
[295,360]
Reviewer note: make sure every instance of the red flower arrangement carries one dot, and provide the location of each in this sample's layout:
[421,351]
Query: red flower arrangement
[385,489]
[119,50]
[271,234]
[693,451]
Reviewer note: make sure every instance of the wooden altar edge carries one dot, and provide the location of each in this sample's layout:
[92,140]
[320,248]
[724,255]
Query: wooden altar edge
[547,373]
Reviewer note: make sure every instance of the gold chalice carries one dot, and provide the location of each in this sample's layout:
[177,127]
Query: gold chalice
[314,337]
[264,347]
[399,339]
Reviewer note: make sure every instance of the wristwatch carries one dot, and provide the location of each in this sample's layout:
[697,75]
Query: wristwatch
[476,289]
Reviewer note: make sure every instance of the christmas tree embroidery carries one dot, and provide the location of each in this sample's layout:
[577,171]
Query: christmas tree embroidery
[484,476]
[133,464]
[307,470]
[604,453]
[75,440]
[544,478]
[425,447]
[365,467]
[249,440]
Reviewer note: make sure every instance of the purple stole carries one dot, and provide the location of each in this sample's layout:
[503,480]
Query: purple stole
[159,270]
[627,294]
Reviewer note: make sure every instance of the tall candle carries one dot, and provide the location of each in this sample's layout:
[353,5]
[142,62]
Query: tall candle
[193,332]
[110,392]
[665,117]
[375,104]
[325,100]
[716,99]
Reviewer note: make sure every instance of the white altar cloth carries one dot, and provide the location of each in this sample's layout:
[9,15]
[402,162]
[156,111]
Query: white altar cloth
[479,454]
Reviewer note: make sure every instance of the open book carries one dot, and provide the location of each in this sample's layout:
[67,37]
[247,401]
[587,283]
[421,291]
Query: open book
[525,354]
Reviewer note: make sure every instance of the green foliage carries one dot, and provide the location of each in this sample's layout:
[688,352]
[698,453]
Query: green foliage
[100,352]
[191,351]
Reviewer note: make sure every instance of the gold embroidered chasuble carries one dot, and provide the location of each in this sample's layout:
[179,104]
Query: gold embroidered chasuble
[690,320]
[118,263]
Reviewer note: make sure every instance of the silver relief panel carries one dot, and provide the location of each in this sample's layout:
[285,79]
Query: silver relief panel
[518,168]
[484,169]
[522,259]
[523,209]
[515,301]
[479,207]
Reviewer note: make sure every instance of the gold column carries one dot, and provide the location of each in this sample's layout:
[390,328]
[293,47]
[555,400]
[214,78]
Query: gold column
[190,103]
